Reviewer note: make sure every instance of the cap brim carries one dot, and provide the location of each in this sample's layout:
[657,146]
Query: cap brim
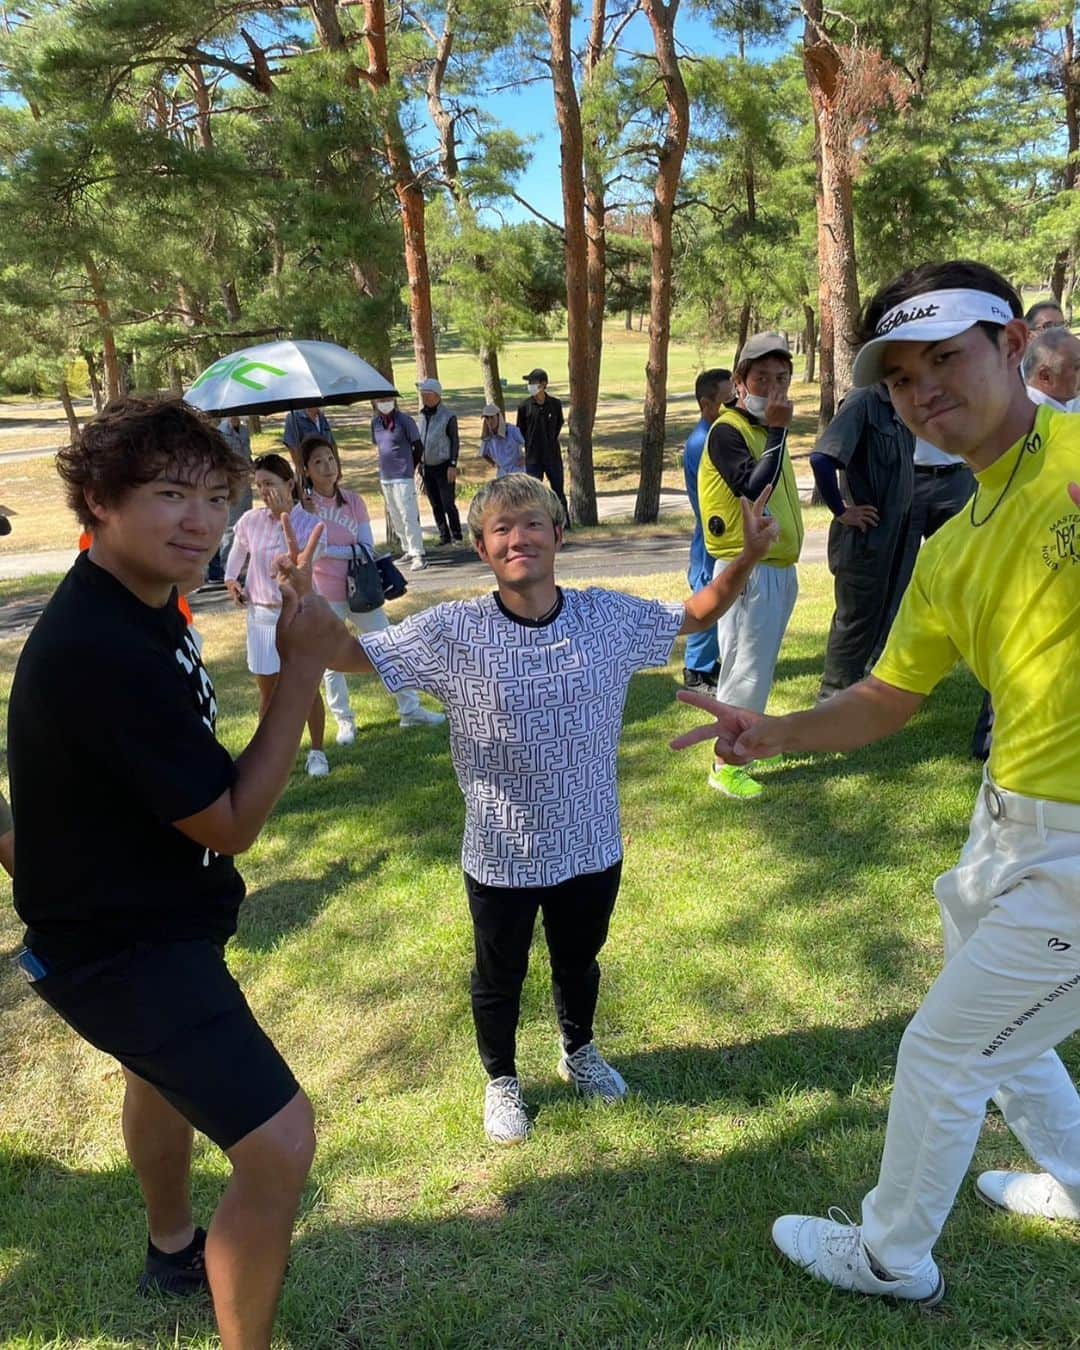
[869,362]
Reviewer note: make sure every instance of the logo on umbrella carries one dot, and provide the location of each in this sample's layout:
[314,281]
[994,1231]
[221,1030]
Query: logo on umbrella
[237,368]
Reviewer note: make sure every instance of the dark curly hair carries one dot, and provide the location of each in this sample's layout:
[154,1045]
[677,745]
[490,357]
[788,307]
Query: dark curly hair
[131,441]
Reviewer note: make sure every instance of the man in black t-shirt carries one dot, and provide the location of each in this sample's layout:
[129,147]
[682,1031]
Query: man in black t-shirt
[128,813]
[540,420]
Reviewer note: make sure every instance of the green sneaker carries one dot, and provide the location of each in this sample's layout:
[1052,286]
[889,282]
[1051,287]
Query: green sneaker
[733,781]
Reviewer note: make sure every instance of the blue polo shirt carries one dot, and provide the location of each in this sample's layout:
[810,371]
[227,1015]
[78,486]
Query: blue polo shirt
[394,438]
[700,562]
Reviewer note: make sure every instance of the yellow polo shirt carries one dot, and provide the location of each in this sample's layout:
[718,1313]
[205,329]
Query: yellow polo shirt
[1002,591]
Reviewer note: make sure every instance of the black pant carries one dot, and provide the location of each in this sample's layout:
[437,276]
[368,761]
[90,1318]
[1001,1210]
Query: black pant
[576,916]
[866,568]
[442,494]
[549,462]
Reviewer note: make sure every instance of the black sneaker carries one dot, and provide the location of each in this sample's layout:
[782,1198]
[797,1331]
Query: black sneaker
[177,1273]
[703,680]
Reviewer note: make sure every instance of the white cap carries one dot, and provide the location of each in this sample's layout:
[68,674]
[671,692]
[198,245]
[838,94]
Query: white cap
[429,386]
[491,410]
[931,317]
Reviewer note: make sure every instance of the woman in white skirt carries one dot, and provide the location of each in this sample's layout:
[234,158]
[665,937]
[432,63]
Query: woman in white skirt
[346,524]
[259,538]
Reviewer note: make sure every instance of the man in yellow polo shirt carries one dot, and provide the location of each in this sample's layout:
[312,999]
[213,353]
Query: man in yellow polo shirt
[999,587]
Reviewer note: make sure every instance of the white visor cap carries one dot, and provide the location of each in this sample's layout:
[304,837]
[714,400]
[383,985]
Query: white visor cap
[930,317]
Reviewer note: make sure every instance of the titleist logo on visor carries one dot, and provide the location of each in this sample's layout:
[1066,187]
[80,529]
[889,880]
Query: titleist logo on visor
[896,317]
[950,306]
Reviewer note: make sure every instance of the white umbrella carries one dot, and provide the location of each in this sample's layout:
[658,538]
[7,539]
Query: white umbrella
[280,376]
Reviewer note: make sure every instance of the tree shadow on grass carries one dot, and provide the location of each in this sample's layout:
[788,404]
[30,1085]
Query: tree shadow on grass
[666,1250]
[670,1253]
[754,1072]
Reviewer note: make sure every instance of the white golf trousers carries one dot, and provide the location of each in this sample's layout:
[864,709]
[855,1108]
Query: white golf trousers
[1009,993]
[750,633]
[404,512]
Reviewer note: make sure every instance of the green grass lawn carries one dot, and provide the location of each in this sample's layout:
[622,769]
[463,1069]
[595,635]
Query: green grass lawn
[762,963]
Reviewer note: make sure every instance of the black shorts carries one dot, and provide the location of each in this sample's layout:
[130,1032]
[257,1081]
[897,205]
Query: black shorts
[172,1014]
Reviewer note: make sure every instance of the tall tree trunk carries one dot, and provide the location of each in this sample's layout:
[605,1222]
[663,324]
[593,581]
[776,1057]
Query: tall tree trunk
[407,190]
[662,21]
[410,198]
[595,223]
[69,408]
[231,301]
[109,359]
[201,97]
[809,341]
[630,320]
[744,328]
[838,285]
[568,115]
[92,376]
[489,366]
[1070,88]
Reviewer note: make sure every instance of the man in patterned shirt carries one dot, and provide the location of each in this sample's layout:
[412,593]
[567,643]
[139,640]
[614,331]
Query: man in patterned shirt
[534,680]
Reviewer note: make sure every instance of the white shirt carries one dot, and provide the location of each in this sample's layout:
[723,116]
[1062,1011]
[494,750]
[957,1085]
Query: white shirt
[535,713]
[927,454]
[1037,396]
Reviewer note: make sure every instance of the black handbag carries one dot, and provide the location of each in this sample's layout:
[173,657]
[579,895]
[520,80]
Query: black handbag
[394,584]
[364,584]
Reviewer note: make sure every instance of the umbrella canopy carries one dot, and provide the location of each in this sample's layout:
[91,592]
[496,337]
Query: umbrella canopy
[280,376]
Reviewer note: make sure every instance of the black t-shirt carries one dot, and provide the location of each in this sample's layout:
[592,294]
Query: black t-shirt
[111,739]
[540,424]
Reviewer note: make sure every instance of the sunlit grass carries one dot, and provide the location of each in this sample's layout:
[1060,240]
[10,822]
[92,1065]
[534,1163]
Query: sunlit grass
[762,962]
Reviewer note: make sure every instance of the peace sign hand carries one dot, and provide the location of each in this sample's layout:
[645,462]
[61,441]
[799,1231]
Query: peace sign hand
[760,531]
[292,570]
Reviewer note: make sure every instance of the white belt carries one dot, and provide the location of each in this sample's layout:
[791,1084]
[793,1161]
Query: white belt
[1005,805]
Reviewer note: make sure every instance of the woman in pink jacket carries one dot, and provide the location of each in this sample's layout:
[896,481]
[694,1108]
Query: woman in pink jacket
[346,525]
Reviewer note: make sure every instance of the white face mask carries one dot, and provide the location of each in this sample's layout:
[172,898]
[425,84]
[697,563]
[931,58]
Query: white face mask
[533,389]
[385,408]
[755,404]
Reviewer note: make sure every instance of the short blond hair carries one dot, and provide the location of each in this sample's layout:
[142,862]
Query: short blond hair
[513,492]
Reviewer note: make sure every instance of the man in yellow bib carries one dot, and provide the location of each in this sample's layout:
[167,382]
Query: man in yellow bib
[745,453]
[999,587]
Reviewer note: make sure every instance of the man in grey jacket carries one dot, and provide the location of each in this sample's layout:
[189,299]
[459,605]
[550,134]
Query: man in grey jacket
[439,436]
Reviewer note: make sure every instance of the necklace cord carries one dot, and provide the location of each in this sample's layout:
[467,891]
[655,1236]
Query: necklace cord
[1032,444]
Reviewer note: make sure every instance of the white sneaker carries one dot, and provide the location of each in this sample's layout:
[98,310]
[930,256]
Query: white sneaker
[832,1250]
[318,766]
[418,564]
[346,733]
[505,1118]
[1036,1193]
[592,1075]
[421,718]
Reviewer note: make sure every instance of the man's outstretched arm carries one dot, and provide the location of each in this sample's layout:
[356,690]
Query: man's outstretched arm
[866,712]
[759,533]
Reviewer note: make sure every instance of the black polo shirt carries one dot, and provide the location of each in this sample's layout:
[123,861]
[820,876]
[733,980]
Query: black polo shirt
[540,424]
[110,739]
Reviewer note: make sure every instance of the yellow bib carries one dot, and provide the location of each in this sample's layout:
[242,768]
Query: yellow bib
[721,514]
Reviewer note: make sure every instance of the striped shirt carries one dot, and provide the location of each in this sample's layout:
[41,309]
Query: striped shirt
[260,539]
